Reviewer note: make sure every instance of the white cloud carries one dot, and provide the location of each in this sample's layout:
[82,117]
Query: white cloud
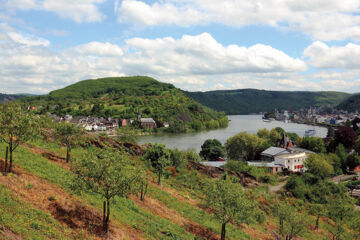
[98,49]
[77,10]
[322,56]
[203,55]
[191,62]
[28,40]
[322,19]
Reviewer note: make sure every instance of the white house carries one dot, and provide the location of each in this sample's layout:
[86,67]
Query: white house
[279,159]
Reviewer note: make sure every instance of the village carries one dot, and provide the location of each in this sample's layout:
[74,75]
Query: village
[313,115]
[108,125]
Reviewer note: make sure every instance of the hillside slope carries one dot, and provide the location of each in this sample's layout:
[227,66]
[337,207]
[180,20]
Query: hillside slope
[244,101]
[38,202]
[350,104]
[10,97]
[123,97]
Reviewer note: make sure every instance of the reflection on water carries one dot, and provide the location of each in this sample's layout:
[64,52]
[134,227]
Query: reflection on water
[238,123]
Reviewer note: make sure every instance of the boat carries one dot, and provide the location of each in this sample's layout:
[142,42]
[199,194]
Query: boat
[310,133]
[266,120]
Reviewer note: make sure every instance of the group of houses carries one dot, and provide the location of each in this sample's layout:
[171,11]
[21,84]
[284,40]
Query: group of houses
[96,124]
[315,115]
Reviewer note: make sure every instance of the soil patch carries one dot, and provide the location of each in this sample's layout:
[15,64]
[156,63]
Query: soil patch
[158,208]
[66,208]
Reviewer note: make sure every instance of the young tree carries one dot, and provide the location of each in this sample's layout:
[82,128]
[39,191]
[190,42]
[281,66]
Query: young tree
[105,172]
[243,146]
[291,223]
[229,203]
[212,149]
[339,209]
[319,211]
[68,135]
[158,157]
[16,125]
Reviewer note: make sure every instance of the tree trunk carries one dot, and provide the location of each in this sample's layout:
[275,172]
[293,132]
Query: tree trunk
[159,179]
[144,187]
[281,226]
[106,215]
[317,222]
[223,231]
[6,159]
[68,150]
[11,160]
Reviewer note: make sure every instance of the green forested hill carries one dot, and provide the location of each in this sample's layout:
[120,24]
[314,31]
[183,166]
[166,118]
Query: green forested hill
[244,101]
[9,97]
[351,104]
[123,97]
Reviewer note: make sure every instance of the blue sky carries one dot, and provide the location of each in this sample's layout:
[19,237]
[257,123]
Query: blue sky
[197,45]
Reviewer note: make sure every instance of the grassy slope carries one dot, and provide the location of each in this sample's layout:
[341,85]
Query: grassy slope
[245,101]
[22,219]
[150,223]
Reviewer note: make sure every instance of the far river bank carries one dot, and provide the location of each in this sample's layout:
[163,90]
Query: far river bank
[237,124]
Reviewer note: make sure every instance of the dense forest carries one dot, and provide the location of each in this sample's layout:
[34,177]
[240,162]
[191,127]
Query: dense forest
[351,104]
[124,97]
[245,101]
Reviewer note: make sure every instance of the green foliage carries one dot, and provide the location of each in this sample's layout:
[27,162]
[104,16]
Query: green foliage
[341,152]
[340,210]
[352,161]
[243,146]
[351,103]
[16,126]
[335,161]
[293,137]
[68,135]
[357,145]
[245,101]
[229,202]
[263,133]
[158,157]
[212,149]
[275,135]
[105,172]
[177,158]
[122,97]
[292,224]
[127,134]
[315,144]
[319,166]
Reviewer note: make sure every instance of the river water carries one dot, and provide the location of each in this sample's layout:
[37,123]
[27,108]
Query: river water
[237,124]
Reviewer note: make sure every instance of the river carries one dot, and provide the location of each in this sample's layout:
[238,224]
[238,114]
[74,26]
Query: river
[237,124]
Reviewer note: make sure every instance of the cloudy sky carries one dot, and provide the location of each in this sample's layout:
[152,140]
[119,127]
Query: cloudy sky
[197,45]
